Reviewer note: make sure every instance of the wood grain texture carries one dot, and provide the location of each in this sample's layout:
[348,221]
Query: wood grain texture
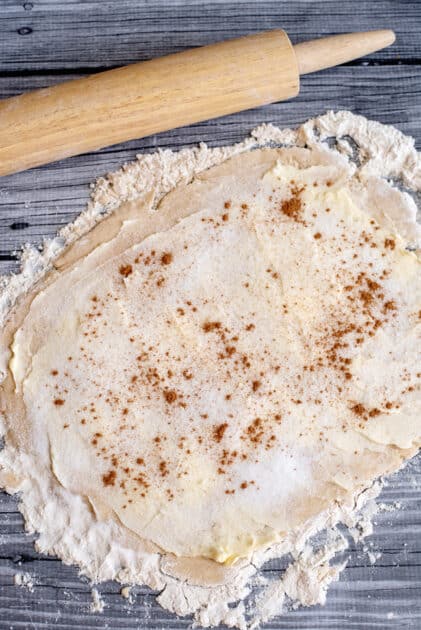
[326,52]
[46,41]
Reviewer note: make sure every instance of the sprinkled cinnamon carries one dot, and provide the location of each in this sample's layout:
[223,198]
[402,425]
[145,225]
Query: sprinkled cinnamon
[219,431]
[211,326]
[170,395]
[163,468]
[166,258]
[125,270]
[109,478]
[292,207]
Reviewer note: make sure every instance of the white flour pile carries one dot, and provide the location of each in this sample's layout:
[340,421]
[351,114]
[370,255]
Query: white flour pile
[67,524]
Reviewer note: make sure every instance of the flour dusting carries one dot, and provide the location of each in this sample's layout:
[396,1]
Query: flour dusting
[25,580]
[98,604]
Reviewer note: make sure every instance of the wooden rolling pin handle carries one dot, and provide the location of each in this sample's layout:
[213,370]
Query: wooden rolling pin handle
[319,54]
[157,95]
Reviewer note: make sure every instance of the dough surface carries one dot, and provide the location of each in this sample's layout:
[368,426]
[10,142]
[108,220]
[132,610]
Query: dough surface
[214,374]
[215,361]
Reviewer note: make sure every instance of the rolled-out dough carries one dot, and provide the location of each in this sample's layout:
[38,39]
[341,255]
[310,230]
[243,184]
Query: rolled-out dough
[222,362]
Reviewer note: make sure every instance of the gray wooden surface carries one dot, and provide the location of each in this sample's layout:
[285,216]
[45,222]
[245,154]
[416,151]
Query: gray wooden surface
[46,41]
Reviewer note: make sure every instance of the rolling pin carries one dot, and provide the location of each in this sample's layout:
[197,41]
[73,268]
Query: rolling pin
[160,94]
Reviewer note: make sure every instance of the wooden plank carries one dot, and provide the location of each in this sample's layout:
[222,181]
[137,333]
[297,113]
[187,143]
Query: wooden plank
[46,41]
[107,33]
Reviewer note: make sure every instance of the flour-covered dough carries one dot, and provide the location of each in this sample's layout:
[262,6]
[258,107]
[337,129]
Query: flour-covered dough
[216,361]
[217,377]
